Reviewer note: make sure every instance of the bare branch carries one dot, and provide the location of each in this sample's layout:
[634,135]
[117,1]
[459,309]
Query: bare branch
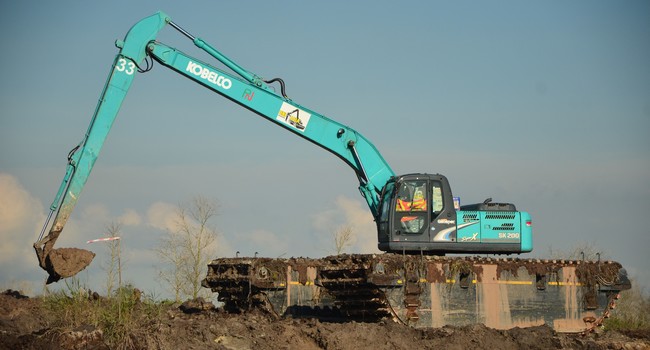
[188,249]
[343,238]
[113,266]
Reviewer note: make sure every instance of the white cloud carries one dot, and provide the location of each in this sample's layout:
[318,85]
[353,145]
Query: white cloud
[224,248]
[130,218]
[162,216]
[265,242]
[347,212]
[17,206]
[359,217]
[21,216]
[95,212]
[91,222]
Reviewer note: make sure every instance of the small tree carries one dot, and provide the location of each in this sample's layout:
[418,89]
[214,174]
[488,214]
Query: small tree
[171,252]
[343,237]
[188,248]
[113,264]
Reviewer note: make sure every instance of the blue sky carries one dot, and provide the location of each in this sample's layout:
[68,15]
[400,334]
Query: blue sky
[543,104]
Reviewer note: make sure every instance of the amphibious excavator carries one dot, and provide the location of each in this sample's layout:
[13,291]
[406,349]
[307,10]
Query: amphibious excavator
[418,222]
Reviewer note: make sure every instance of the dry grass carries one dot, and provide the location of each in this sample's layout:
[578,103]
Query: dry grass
[126,318]
[632,311]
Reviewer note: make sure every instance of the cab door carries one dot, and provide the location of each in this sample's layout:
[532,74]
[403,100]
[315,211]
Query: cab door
[443,214]
[411,216]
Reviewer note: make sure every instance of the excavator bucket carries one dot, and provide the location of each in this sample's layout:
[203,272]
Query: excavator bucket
[64,262]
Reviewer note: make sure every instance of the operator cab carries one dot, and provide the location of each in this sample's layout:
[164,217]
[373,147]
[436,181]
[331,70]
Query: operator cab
[418,215]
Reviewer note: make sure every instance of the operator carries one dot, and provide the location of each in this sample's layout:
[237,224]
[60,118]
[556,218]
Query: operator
[417,204]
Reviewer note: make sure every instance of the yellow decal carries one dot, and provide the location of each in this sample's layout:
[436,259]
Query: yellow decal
[293,117]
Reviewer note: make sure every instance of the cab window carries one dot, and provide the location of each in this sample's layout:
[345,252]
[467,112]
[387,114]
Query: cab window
[412,196]
[411,205]
[437,204]
[385,204]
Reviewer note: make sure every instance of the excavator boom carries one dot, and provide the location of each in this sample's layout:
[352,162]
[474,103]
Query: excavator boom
[246,89]
[416,216]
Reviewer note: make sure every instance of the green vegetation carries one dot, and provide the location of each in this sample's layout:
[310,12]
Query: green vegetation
[632,311]
[123,316]
[127,318]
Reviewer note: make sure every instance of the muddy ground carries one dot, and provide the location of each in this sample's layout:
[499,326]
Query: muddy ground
[25,323]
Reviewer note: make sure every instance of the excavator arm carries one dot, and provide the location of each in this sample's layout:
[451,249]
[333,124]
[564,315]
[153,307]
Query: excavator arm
[242,87]
[253,93]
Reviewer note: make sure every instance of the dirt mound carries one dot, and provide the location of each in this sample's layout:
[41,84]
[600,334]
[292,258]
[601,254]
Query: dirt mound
[66,262]
[25,323]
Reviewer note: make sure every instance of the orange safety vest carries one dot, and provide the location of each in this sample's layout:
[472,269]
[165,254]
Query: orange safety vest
[416,205]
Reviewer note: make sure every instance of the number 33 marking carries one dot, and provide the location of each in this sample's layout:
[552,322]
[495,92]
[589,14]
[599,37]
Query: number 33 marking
[124,66]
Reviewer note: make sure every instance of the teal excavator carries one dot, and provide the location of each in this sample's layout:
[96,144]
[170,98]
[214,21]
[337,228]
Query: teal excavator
[418,220]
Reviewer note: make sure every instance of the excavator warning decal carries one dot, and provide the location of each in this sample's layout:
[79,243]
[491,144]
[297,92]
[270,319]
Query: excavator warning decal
[294,117]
